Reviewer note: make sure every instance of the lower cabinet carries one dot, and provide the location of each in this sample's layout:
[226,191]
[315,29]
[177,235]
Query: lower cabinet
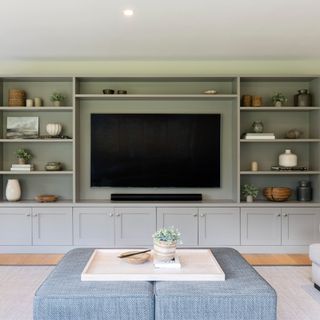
[219,226]
[52,226]
[184,219]
[134,226]
[15,226]
[279,226]
[93,227]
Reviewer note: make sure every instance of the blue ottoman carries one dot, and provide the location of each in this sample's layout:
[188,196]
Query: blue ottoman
[245,295]
[63,296]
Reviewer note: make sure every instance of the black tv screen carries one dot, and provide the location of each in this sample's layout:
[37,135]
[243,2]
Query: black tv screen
[155,150]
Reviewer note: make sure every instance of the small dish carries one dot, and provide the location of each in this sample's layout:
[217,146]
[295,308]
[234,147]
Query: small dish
[46,198]
[210,92]
[136,259]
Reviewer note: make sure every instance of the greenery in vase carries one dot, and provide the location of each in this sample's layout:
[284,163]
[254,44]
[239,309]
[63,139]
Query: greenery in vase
[249,190]
[23,154]
[279,97]
[168,235]
[56,96]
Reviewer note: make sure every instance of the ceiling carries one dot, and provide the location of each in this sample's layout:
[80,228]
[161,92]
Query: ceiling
[162,29]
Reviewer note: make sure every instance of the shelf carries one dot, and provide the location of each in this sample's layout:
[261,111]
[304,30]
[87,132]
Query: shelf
[279,172]
[156,96]
[279,140]
[37,140]
[35,172]
[35,109]
[254,109]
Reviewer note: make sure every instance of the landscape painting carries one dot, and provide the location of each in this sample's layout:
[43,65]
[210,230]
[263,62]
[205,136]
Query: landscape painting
[22,127]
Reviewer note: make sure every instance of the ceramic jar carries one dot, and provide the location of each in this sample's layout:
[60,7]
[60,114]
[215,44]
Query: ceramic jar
[164,251]
[13,190]
[53,129]
[257,127]
[304,191]
[37,102]
[303,98]
[288,159]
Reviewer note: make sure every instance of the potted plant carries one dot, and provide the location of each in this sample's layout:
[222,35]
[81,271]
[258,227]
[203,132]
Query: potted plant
[23,156]
[279,99]
[249,191]
[56,98]
[165,242]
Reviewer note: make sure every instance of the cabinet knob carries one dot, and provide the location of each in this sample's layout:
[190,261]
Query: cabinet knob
[195,214]
[279,215]
[118,214]
[35,214]
[202,214]
[110,214]
[28,214]
[285,215]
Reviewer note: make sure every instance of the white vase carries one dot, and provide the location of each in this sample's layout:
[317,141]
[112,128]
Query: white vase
[163,251]
[288,159]
[278,104]
[53,129]
[13,190]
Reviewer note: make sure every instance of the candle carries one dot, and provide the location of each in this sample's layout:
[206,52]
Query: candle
[254,166]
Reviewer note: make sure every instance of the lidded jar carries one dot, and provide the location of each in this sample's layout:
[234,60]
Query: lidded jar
[288,159]
[304,191]
[303,98]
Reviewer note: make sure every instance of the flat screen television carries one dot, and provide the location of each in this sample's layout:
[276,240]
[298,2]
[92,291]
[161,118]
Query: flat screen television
[155,150]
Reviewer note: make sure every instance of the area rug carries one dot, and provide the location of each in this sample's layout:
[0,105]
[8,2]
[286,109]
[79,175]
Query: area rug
[297,298]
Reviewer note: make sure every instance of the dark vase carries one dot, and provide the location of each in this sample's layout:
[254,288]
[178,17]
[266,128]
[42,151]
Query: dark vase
[304,191]
[303,98]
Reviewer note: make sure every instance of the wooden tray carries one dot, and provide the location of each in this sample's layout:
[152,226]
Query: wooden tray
[196,265]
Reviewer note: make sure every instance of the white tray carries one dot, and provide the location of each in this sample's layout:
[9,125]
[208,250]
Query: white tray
[196,265]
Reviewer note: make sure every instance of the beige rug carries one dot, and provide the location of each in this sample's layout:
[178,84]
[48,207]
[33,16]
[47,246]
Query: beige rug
[297,299]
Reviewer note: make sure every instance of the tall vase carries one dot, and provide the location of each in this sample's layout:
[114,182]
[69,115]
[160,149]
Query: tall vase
[13,190]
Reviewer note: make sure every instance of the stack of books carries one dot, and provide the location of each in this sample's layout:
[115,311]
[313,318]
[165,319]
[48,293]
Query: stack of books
[259,136]
[172,264]
[22,167]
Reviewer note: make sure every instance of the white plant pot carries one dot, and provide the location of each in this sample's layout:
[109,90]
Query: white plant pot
[53,129]
[57,103]
[278,104]
[13,190]
[163,251]
[288,159]
[249,198]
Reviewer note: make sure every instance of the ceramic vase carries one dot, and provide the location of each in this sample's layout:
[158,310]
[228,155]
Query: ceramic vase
[53,129]
[288,159]
[304,191]
[303,98]
[13,190]
[164,251]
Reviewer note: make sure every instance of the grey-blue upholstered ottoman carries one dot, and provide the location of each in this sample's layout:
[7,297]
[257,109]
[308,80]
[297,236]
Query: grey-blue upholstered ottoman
[63,296]
[245,295]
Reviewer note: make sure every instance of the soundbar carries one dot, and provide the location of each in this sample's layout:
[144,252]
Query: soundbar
[156,196]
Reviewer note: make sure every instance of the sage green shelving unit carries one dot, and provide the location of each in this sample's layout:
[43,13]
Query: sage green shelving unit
[39,181]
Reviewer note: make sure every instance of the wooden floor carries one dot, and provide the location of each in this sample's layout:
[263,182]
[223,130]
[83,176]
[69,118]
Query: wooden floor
[253,259]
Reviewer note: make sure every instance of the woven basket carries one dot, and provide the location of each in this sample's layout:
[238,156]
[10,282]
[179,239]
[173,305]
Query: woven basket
[277,194]
[17,102]
[16,94]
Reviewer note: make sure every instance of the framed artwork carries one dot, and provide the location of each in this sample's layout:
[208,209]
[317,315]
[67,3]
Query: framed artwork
[22,128]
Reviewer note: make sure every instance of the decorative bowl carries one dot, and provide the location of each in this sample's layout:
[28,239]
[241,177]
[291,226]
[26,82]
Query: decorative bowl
[277,194]
[210,92]
[46,198]
[136,259]
[53,166]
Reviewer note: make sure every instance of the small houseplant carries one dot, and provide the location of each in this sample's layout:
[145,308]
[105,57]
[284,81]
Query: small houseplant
[249,191]
[279,99]
[23,156]
[165,242]
[57,98]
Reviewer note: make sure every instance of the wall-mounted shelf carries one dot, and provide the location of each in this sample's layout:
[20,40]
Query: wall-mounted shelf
[37,140]
[35,172]
[35,109]
[279,140]
[279,173]
[281,109]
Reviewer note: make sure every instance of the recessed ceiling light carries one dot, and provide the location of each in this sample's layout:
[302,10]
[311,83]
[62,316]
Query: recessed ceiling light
[128,12]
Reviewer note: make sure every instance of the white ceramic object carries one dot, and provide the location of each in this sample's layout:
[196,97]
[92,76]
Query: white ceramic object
[249,198]
[210,92]
[29,103]
[37,102]
[254,166]
[13,190]
[288,159]
[278,104]
[53,129]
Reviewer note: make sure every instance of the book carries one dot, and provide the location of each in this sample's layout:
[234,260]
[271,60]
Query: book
[259,136]
[263,134]
[21,165]
[172,264]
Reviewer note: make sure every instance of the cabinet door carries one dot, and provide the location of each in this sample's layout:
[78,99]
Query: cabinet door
[300,226]
[93,227]
[260,226]
[52,226]
[134,226]
[184,219]
[219,226]
[15,226]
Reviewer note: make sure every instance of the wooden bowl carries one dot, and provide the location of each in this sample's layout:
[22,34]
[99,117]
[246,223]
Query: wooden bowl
[277,194]
[137,259]
[46,198]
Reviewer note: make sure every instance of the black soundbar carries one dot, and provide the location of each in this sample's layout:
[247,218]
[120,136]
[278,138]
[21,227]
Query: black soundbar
[156,196]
